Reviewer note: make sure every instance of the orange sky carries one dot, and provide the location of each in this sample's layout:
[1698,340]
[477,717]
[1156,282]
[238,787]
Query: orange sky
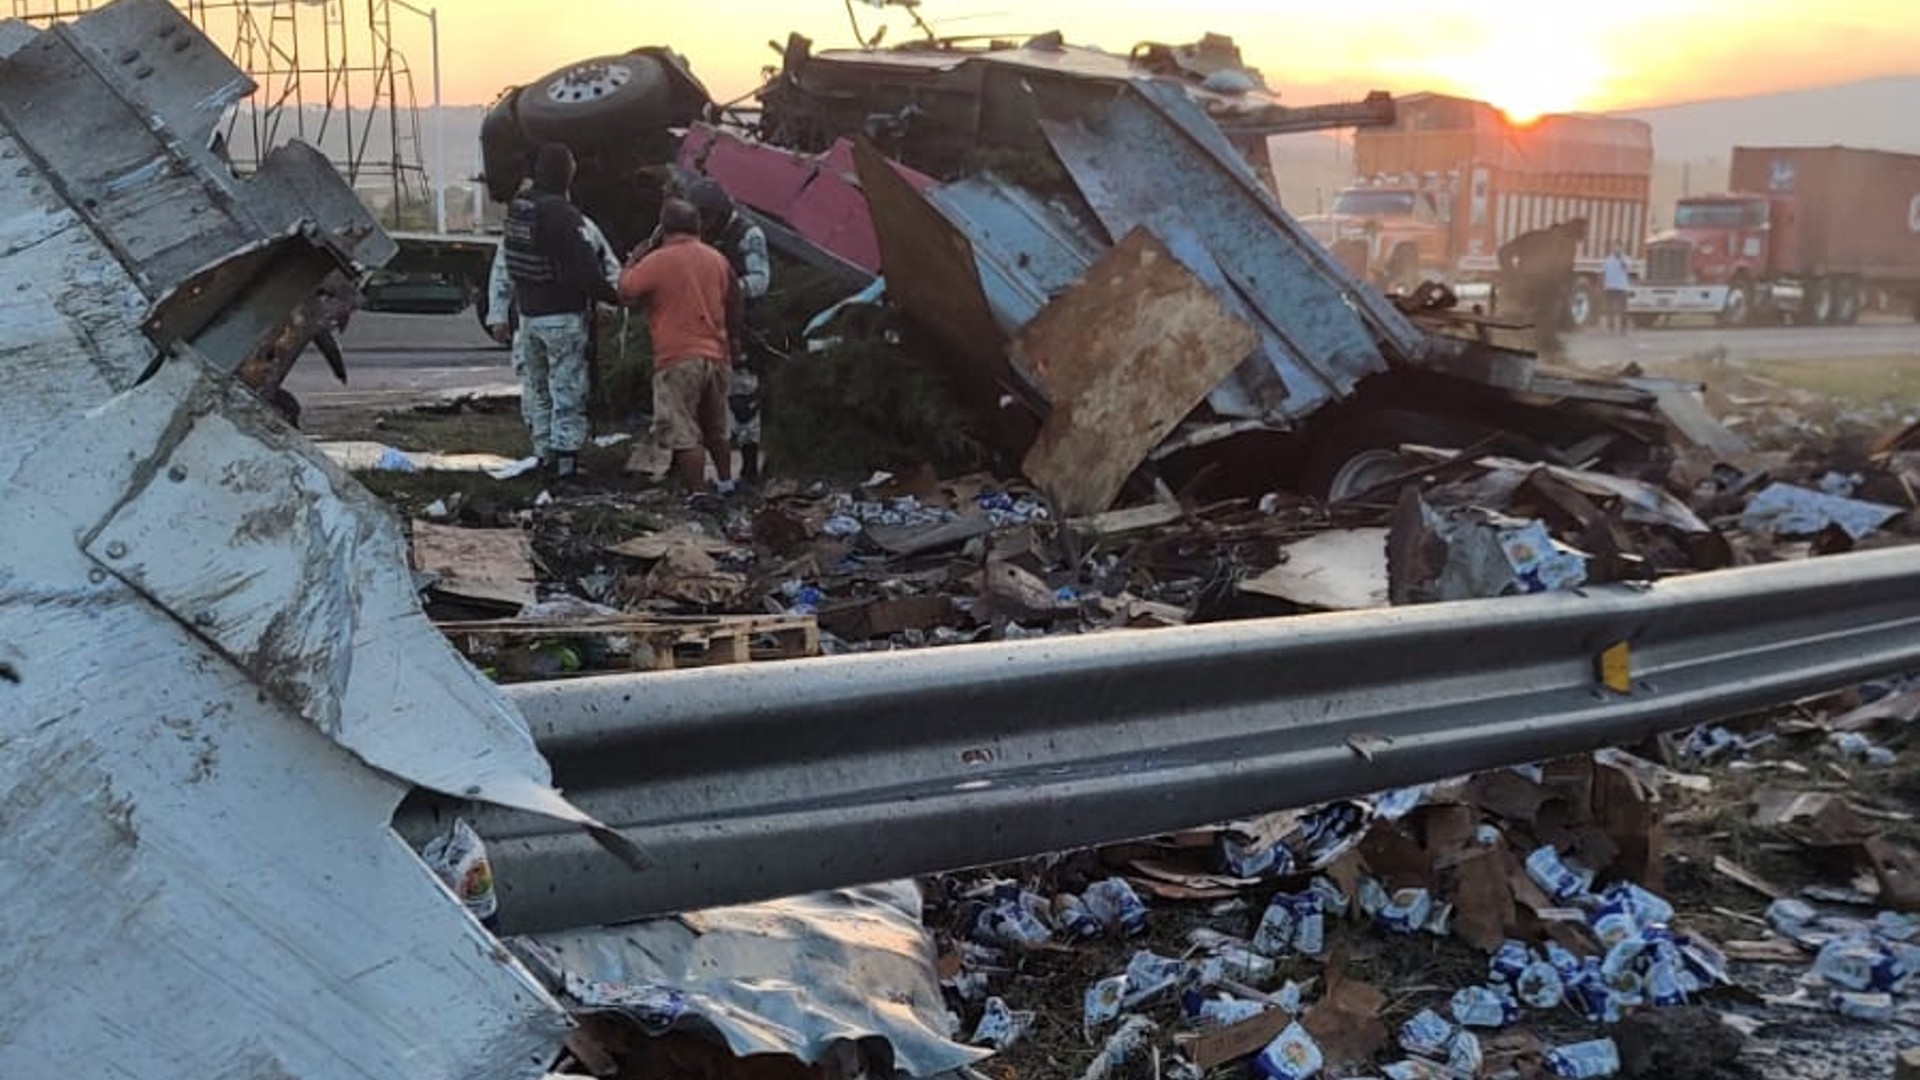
[1526,55]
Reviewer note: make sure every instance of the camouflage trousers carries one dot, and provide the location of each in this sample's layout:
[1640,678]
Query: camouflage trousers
[550,360]
[743,399]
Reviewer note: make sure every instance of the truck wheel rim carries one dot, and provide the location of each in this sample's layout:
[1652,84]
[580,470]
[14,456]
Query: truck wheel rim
[1364,471]
[588,82]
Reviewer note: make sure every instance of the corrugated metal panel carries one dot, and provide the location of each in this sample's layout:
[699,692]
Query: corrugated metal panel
[1146,156]
[1028,252]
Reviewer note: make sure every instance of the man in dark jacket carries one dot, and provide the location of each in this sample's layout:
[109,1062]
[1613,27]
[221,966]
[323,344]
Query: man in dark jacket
[557,273]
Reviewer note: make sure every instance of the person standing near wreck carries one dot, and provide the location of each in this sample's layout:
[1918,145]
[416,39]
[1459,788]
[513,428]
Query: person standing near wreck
[1616,284]
[725,229]
[548,254]
[692,297]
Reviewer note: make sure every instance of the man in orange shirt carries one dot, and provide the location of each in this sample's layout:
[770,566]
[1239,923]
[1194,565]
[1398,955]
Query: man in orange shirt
[690,292]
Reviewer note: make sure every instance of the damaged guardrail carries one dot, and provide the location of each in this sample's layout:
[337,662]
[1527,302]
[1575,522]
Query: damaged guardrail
[755,781]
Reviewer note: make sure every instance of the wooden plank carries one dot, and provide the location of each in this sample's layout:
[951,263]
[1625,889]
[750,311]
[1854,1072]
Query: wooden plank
[1133,519]
[494,565]
[1123,356]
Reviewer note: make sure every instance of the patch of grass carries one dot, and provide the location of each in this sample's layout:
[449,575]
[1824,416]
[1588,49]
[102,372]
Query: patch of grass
[482,498]
[863,406]
[622,389]
[1855,382]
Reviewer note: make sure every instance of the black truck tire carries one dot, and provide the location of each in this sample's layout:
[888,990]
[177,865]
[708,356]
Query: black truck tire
[597,99]
[1846,301]
[1352,452]
[1739,309]
[1584,302]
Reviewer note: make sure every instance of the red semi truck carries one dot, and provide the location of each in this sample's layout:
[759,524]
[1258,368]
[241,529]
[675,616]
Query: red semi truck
[1441,189]
[1809,235]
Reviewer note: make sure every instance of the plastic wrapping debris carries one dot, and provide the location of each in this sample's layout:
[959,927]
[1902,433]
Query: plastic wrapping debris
[458,857]
[1859,963]
[1484,1007]
[513,469]
[1465,1056]
[393,460]
[1148,976]
[1485,555]
[1292,1055]
[1104,1001]
[1117,907]
[1239,960]
[1000,1027]
[1584,1061]
[1133,1038]
[1540,986]
[1205,1011]
[1013,918]
[1874,1007]
[1292,923]
[1427,1035]
[1561,879]
[1404,911]
[1074,920]
[1785,510]
[1295,842]
[1857,747]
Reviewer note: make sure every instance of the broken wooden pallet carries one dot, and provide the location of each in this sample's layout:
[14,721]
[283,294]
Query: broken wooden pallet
[655,642]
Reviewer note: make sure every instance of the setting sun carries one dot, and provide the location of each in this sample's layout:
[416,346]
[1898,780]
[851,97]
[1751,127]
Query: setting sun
[1527,68]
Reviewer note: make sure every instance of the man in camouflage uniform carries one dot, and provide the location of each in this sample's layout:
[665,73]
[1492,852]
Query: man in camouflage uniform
[558,266]
[732,234]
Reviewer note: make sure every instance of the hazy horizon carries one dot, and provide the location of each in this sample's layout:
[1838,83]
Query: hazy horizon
[1523,55]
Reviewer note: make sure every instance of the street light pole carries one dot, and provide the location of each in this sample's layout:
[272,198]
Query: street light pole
[439,132]
[439,120]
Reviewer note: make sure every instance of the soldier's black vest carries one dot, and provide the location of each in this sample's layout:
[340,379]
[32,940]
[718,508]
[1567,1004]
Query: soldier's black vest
[527,264]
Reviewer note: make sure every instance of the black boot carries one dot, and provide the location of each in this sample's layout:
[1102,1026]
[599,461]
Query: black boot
[750,463]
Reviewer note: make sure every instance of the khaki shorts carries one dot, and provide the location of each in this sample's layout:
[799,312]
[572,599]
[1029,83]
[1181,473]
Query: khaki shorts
[690,404]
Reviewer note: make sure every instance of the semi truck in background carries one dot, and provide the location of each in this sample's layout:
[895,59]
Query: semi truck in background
[1807,235]
[1439,191]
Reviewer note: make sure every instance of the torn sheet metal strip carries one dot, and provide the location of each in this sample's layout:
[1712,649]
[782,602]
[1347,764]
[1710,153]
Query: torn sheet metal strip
[769,779]
[246,533]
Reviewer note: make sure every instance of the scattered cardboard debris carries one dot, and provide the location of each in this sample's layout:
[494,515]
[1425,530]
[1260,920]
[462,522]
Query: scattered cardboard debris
[492,567]
[1340,570]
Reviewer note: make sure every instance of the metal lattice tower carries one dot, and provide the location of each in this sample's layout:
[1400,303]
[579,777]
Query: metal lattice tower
[329,74]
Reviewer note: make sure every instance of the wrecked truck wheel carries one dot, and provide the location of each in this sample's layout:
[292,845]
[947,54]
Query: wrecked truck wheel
[1846,301]
[597,99]
[1583,303]
[1816,306]
[1739,309]
[1356,453]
